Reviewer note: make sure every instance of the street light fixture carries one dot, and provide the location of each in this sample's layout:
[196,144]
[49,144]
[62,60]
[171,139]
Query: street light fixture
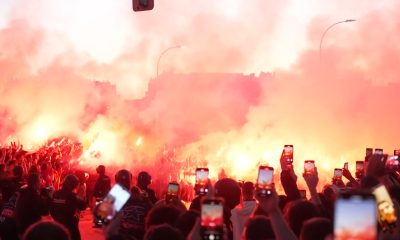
[331,26]
[164,52]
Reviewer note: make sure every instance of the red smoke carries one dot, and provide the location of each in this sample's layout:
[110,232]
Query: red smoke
[329,108]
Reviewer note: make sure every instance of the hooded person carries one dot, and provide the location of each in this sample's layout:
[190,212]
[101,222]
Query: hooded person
[65,206]
[240,214]
[229,190]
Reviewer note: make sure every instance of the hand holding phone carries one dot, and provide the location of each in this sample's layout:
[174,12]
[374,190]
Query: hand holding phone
[392,163]
[378,151]
[172,192]
[359,169]
[265,181]
[355,217]
[201,186]
[212,219]
[288,155]
[309,167]
[112,203]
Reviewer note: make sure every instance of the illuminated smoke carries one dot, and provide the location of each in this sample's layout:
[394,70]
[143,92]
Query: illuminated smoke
[330,109]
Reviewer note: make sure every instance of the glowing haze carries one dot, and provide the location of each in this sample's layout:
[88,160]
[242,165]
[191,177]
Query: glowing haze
[52,52]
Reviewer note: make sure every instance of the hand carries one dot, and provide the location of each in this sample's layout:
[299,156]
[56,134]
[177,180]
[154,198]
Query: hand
[311,180]
[347,174]
[283,162]
[376,166]
[270,203]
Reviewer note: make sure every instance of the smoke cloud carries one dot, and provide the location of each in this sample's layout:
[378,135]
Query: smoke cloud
[330,108]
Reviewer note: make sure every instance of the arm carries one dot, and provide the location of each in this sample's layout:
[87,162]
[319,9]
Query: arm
[288,180]
[312,182]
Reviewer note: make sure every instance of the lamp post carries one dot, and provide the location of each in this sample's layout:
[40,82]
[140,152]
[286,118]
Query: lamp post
[164,52]
[331,26]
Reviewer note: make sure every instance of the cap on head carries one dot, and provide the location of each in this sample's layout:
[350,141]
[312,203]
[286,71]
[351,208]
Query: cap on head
[123,178]
[70,182]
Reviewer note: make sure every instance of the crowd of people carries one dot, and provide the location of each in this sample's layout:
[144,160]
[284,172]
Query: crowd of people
[44,183]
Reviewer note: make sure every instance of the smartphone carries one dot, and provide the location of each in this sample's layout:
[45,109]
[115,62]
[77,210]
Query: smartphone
[396,152]
[359,169]
[212,219]
[265,181]
[303,193]
[386,212]
[346,166]
[355,217]
[172,192]
[378,151]
[337,174]
[368,152]
[288,154]
[309,167]
[201,181]
[392,163]
[112,203]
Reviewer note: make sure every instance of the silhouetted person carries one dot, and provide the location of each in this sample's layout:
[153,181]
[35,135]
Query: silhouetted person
[103,183]
[11,184]
[66,204]
[31,205]
[144,180]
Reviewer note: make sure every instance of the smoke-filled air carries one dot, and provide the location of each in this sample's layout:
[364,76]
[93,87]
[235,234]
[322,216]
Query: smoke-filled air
[243,79]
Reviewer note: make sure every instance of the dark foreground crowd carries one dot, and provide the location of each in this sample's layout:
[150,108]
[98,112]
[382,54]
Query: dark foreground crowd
[28,193]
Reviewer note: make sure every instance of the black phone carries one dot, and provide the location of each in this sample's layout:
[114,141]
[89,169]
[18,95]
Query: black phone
[346,166]
[337,174]
[172,191]
[212,219]
[392,163]
[288,155]
[265,181]
[359,169]
[309,167]
[355,216]
[201,185]
[396,152]
[112,203]
[378,151]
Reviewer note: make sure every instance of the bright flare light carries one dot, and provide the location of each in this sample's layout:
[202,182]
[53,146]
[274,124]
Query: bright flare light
[139,141]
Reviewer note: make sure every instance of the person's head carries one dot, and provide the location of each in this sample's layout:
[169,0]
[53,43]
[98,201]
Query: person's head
[18,171]
[123,178]
[144,179]
[248,191]
[297,212]
[316,228]
[229,190]
[70,182]
[186,221]
[33,169]
[101,170]
[46,231]
[162,214]
[34,181]
[163,232]
[259,228]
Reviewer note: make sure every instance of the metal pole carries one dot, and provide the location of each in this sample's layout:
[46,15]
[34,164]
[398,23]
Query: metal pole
[323,35]
[165,51]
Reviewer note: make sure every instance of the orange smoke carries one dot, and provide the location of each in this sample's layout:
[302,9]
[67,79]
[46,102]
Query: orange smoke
[330,109]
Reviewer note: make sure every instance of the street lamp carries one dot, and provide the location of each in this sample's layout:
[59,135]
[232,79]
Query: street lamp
[164,52]
[331,26]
